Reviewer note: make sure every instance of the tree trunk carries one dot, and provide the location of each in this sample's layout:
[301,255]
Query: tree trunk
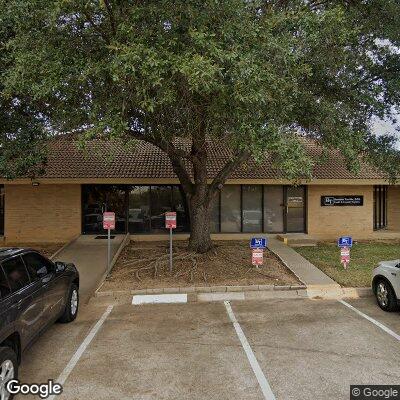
[200,238]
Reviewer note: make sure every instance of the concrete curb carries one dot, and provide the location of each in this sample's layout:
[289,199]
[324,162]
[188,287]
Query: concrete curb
[63,247]
[201,289]
[125,296]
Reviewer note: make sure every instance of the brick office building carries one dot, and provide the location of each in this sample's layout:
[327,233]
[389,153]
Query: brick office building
[140,186]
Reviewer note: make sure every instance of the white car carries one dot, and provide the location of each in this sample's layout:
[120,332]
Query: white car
[386,284]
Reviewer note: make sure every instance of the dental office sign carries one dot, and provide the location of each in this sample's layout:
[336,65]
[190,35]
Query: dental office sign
[334,201]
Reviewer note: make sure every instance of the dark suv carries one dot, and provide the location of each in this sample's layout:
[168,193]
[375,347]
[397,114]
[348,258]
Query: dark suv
[34,292]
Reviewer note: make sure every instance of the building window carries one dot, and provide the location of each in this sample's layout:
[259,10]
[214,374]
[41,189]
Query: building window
[273,209]
[252,212]
[148,205]
[231,209]
[138,209]
[236,208]
[259,208]
[380,207]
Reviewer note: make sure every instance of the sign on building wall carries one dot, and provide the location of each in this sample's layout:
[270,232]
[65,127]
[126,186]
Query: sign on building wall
[332,201]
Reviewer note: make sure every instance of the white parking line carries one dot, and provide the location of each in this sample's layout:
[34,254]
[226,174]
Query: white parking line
[378,324]
[81,349]
[262,380]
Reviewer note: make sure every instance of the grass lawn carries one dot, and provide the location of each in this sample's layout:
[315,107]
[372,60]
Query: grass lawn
[363,258]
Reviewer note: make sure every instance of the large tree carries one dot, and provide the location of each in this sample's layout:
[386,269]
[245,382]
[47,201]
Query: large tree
[255,75]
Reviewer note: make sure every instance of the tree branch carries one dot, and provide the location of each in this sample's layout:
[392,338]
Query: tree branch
[240,157]
[176,156]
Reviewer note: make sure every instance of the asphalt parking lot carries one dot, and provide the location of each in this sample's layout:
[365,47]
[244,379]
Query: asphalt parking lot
[303,349]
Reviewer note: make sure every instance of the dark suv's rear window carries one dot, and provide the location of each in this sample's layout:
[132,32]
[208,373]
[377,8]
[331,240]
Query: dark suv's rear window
[16,273]
[4,287]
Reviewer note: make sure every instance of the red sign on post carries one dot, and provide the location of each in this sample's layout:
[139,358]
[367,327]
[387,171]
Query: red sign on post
[257,256]
[345,256]
[170,220]
[108,220]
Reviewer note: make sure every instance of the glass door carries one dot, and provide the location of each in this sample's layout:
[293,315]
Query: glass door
[100,198]
[295,209]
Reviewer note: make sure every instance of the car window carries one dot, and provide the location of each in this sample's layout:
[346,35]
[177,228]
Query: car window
[16,273]
[4,286]
[37,265]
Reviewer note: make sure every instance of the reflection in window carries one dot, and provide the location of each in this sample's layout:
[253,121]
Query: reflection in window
[17,275]
[179,205]
[148,205]
[252,208]
[161,202]
[273,209]
[37,265]
[100,198]
[139,209]
[230,209]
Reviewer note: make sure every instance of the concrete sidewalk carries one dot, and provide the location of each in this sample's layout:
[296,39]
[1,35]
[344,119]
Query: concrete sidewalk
[90,257]
[308,273]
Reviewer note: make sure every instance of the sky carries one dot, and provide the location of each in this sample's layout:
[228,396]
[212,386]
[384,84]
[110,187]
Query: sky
[381,127]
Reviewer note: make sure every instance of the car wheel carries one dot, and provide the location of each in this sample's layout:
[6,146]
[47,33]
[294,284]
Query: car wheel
[385,296]
[71,309]
[8,370]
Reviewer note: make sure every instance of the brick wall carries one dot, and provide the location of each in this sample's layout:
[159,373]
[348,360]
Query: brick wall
[331,222]
[45,213]
[393,205]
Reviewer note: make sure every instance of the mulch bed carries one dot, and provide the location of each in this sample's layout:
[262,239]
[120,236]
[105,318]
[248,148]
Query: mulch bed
[144,265]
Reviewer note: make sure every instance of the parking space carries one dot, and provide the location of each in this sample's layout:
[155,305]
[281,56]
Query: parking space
[306,349]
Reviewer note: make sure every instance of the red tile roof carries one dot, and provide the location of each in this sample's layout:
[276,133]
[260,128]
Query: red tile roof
[112,159]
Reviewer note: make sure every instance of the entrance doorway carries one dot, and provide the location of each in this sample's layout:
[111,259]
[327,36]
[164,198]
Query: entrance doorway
[284,209]
[100,198]
[295,215]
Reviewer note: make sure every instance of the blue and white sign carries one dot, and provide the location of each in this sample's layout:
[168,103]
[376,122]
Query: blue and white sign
[345,241]
[258,243]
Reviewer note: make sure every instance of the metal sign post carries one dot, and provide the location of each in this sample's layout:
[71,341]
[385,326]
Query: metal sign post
[170,223]
[108,224]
